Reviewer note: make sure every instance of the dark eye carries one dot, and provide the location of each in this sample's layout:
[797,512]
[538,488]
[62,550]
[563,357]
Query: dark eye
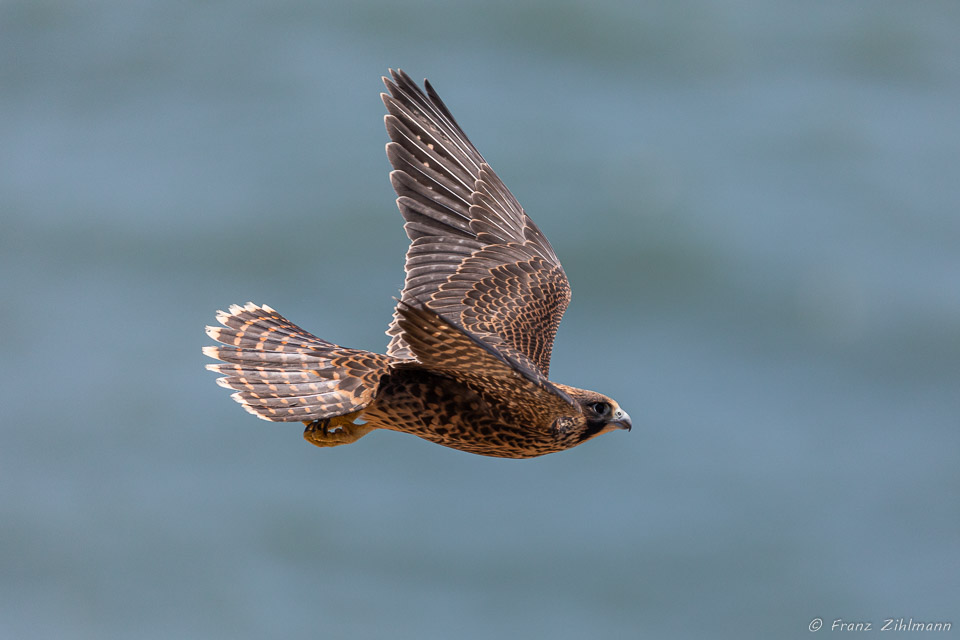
[600,407]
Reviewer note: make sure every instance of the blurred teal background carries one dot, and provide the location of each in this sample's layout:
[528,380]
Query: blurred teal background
[757,204]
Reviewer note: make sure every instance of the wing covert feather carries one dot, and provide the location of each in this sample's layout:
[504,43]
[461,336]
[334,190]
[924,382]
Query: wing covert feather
[445,348]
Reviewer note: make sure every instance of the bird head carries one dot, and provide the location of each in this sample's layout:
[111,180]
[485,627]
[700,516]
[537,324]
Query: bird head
[601,414]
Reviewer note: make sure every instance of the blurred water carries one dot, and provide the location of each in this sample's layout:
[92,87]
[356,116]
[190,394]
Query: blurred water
[756,204]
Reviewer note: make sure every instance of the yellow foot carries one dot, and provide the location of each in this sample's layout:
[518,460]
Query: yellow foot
[331,432]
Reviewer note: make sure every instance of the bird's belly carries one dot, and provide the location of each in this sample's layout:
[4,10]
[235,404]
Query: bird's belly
[454,415]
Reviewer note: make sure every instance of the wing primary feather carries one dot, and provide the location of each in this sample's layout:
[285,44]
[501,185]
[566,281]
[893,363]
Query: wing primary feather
[423,156]
[444,182]
[420,211]
[440,114]
[404,122]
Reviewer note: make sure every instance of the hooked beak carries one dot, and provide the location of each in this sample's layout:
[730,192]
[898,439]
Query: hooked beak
[621,420]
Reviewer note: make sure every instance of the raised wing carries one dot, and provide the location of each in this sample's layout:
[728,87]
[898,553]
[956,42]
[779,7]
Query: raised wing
[475,257]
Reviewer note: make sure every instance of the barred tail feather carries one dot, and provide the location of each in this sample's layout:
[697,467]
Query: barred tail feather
[282,373]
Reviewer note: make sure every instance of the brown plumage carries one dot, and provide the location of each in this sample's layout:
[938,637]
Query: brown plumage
[471,336]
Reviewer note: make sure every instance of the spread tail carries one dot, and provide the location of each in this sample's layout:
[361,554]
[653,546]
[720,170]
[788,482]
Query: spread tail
[284,374]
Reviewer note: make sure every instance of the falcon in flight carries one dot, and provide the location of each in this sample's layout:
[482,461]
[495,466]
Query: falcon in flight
[469,356]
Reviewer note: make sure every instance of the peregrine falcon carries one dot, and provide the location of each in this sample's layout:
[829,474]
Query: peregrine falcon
[469,355]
